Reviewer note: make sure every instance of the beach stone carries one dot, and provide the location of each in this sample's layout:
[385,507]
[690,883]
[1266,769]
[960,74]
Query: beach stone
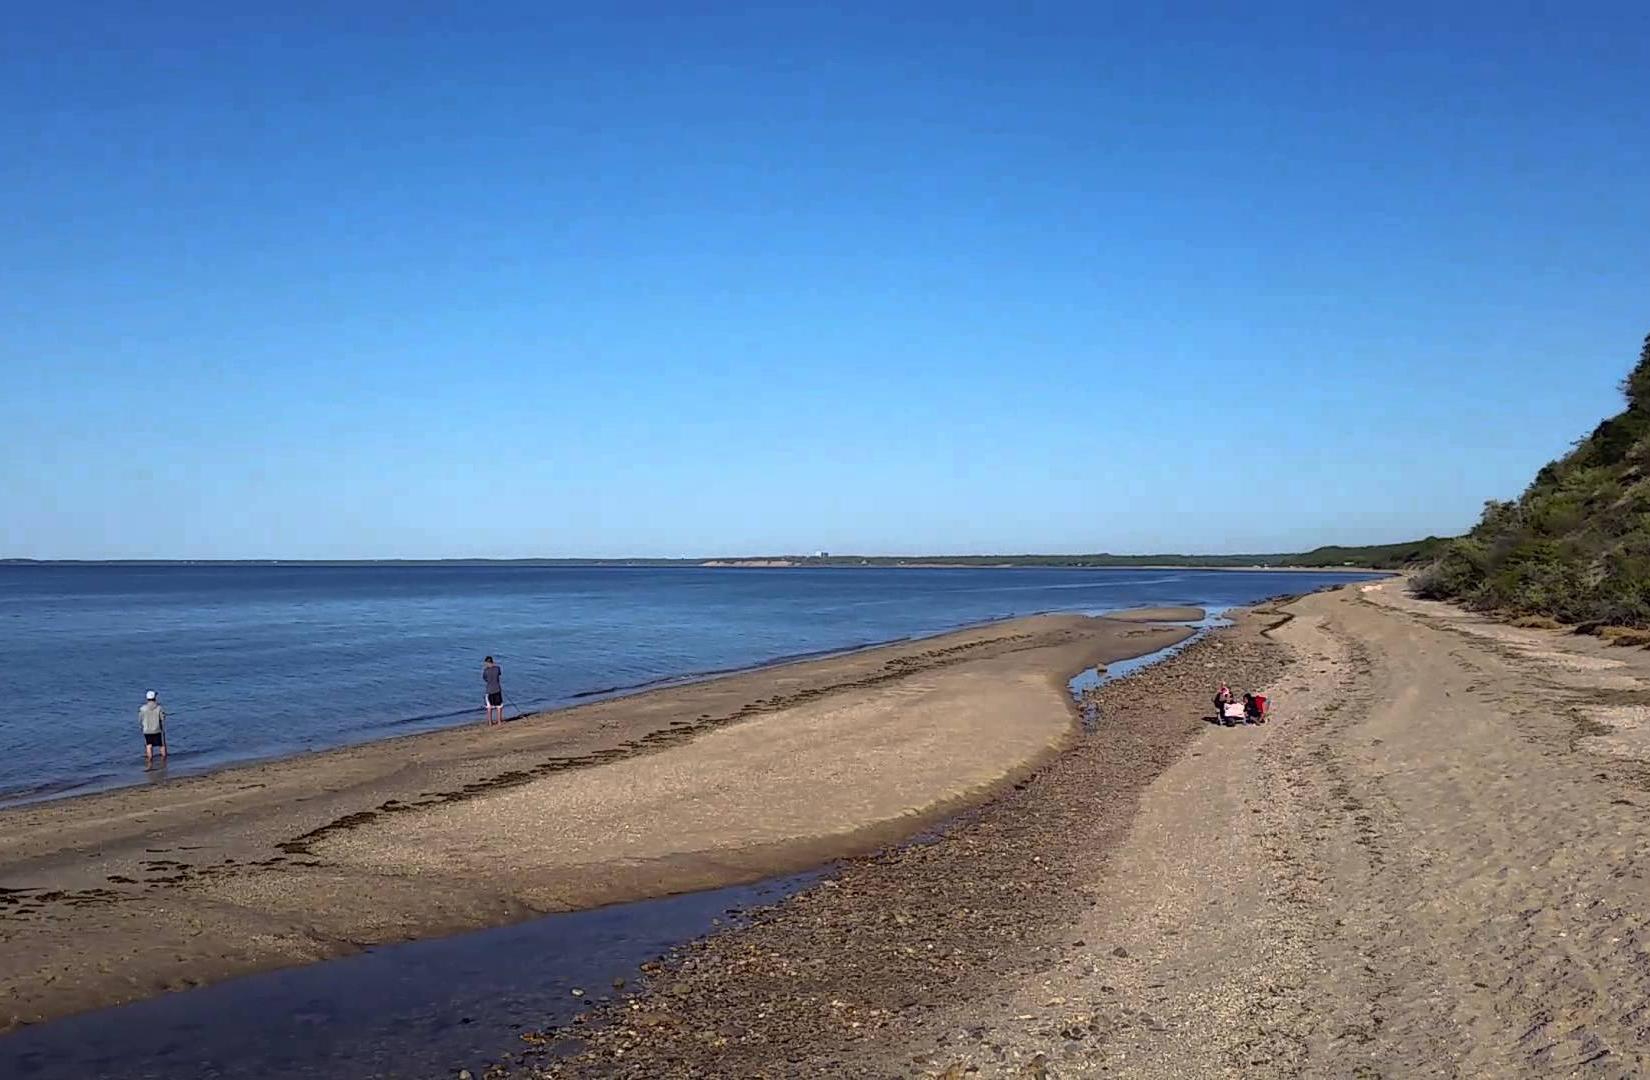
[1120,952]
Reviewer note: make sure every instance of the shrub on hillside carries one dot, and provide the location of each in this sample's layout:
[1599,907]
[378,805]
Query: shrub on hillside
[1456,574]
[1575,546]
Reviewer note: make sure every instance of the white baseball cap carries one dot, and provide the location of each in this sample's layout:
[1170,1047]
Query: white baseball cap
[150,696]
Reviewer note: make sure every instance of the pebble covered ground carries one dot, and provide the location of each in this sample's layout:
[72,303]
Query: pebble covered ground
[807,987]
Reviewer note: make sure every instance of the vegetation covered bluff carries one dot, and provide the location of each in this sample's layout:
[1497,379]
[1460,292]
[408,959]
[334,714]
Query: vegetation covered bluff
[1575,546]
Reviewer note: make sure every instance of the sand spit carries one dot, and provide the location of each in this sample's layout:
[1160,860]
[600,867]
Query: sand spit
[125,894]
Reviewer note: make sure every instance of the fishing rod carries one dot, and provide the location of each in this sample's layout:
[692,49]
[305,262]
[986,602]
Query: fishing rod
[520,712]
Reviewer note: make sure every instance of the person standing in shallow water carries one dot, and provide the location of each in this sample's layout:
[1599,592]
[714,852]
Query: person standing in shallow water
[152,718]
[492,679]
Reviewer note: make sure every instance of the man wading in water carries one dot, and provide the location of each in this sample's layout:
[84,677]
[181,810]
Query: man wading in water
[152,718]
[491,678]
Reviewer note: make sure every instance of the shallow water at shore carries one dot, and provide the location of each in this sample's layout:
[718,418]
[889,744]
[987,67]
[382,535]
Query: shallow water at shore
[259,662]
[1083,684]
[426,1008]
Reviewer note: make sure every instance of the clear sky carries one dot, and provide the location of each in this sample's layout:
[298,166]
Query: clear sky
[357,280]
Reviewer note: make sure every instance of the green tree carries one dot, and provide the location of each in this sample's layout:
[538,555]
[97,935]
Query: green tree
[1637,384]
[1575,545]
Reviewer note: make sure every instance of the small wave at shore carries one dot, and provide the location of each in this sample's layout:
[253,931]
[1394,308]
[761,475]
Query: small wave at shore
[1078,585]
[712,673]
[50,789]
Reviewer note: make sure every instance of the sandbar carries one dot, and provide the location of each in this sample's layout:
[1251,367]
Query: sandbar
[1159,614]
[124,894]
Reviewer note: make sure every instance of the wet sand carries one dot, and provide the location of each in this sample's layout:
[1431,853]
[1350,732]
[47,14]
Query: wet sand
[125,894]
[1158,614]
[1432,861]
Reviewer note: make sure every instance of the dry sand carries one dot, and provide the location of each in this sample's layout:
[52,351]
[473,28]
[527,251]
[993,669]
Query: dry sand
[126,894]
[1432,862]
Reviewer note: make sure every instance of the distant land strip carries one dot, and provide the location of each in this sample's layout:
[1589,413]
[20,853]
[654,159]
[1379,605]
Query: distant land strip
[1373,557]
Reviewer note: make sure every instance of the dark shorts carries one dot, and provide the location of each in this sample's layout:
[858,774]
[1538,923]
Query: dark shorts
[495,698]
[156,739]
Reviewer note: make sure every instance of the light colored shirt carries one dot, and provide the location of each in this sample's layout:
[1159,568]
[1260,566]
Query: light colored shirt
[152,717]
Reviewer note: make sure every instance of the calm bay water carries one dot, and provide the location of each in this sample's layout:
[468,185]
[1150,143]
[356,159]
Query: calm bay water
[263,661]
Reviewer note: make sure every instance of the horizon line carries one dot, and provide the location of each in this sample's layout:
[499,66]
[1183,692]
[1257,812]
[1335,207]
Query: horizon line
[814,557]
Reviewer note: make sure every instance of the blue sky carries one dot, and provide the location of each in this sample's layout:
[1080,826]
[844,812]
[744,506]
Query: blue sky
[407,280]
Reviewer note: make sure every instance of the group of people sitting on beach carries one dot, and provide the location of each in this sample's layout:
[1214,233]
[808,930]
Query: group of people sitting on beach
[1230,711]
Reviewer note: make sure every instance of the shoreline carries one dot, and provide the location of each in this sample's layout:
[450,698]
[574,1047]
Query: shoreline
[55,791]
[1244,568]
[576,700]
[374,736]
[117,895]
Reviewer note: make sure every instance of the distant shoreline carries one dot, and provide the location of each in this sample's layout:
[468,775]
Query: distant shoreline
[880,562]
[782,564]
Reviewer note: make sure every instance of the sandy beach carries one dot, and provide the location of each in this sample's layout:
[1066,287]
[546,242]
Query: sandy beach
[1431,862]
[125,894]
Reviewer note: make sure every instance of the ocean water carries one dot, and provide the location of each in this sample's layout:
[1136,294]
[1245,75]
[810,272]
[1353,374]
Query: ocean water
[264,661]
